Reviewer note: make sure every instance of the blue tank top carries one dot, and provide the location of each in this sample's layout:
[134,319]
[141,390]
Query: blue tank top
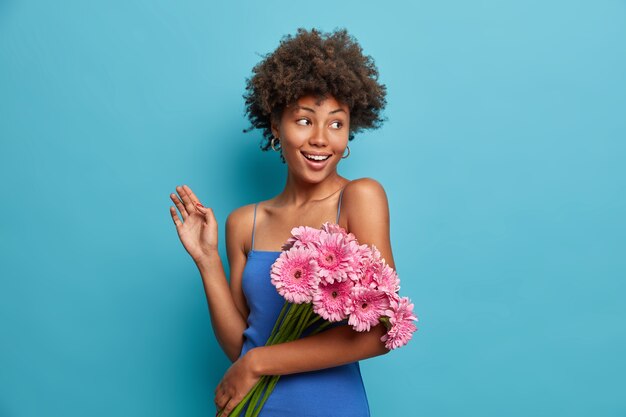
[336,391]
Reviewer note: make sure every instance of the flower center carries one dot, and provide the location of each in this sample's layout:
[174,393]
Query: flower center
[298,274]
[330,258]
[334,294]
[364,305]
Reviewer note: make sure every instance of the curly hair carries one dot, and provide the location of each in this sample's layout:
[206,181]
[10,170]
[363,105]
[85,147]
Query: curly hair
[317,63]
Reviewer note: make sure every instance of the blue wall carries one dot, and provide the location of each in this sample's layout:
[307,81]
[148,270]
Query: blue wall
[503,160]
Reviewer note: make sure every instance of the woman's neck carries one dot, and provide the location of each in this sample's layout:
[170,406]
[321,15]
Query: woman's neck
[298,192]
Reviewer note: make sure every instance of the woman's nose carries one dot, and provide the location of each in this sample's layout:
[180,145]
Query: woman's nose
[318,137]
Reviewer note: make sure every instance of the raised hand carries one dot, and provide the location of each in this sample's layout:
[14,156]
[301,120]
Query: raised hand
[198,229]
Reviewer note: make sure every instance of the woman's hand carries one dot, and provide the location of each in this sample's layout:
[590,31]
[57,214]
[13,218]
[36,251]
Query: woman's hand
[236,383]
[198,230]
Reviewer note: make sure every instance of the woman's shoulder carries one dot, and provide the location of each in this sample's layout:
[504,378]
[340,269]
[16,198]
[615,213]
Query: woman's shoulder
[365,202]
[240,213]
[239,223]
[364,189]
[367,214]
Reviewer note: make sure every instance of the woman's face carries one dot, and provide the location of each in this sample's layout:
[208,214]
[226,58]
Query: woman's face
[310,129]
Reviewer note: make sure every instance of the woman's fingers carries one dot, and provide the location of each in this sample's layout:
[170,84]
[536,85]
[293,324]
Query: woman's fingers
[179,205]
[187,202]
[193,197]
[221,399]
[175,217]
[189,205]
[195,200]
[207,212]
[228,408]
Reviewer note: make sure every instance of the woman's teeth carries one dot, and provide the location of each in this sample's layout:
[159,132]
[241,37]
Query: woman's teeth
[316,157]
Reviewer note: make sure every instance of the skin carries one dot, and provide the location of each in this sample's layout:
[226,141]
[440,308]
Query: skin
[310,197]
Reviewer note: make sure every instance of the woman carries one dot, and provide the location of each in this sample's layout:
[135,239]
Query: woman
[309,97]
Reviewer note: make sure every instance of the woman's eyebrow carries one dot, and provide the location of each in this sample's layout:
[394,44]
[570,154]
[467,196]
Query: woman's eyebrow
[297,107]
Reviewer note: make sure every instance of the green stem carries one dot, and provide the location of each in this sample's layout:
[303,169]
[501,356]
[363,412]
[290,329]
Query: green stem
[303,322]
[294,327]
[301,319]
[315,319]
[268,391]
[294,310]
[280,317]
[321,327]
[292,314]
[297,318]
[304,317]
[258,390]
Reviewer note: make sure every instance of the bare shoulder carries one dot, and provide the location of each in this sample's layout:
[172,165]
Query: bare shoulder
[239,227]
[364,185]
[367,214]
[365,188]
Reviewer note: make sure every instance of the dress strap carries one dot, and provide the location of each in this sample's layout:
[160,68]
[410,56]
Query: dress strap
[253,224]
[339,205]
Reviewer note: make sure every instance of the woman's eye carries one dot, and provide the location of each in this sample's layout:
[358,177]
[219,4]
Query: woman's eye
[336,125]
[302,122]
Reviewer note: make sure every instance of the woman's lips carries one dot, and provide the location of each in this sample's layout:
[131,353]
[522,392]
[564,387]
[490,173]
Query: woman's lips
[316,165]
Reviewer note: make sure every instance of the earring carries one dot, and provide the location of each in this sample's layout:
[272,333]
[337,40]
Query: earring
[272,142]
[344,157]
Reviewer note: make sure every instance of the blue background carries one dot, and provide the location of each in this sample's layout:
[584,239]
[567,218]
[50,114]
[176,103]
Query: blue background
[503,161]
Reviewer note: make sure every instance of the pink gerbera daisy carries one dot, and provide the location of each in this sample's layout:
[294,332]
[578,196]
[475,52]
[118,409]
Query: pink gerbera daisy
[294,274]
[369,254]
[401,317]
[335,228]
[371,265]
[368,305]
[337,257]
[333,301]
[302,236]
[387,280]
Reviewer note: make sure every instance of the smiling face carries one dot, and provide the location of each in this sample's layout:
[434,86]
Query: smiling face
[313,135]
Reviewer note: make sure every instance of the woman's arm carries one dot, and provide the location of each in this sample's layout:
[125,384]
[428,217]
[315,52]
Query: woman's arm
[228,324]
[334,347]
[227,307]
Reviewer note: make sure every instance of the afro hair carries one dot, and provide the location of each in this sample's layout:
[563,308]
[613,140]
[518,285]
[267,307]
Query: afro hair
[317,63]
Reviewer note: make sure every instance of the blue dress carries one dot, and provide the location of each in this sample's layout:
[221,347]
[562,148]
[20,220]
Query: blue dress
[336,391]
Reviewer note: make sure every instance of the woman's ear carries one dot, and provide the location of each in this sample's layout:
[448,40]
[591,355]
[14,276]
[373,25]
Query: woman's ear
[275,131]
[275,124]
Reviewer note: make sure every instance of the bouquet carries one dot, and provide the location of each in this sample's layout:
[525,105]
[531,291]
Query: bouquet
[326,276]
